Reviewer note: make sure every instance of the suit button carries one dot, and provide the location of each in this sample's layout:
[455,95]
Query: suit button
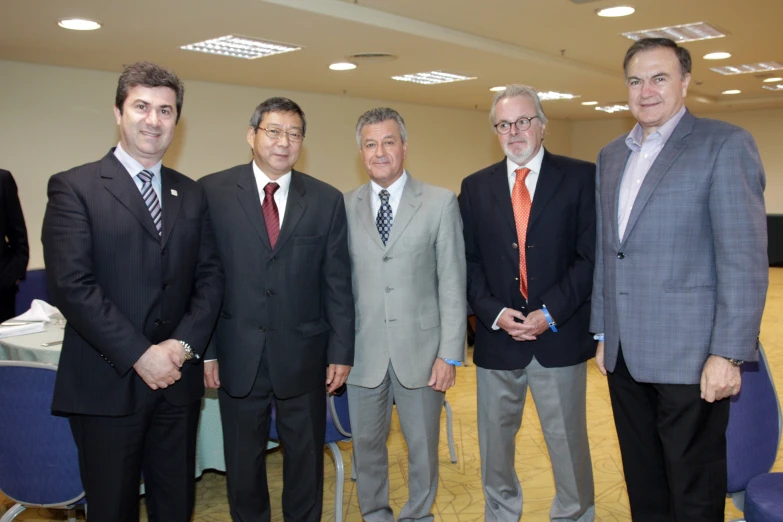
[163,252]
[270,293]
[388,289]
[620,255]
[158,322]
[514,246]
[386,258]
[263,328]
[516,279]
[273,258]
[165,287]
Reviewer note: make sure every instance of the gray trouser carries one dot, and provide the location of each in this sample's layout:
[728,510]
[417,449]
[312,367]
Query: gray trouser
[559,395]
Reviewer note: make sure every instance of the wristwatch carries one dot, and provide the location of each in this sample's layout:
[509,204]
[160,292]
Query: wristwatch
[734,362]
[189,353]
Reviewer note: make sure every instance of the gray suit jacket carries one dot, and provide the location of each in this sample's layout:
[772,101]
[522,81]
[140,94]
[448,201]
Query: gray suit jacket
[409,294]
[689,278]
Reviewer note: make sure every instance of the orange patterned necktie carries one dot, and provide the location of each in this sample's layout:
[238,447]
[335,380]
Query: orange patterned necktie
[520,201]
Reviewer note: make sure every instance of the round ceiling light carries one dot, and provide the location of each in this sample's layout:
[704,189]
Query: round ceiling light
[79,24]
[342,66]
[732,91]
[590,103]
[499,88]
[717,56]
[772,80]
[614,12]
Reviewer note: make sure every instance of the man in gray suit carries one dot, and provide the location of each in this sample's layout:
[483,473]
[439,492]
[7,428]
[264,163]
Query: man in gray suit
[680,282]
[408,267]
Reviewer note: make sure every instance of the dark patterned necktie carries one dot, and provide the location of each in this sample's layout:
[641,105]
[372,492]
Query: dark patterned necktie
[151,199]
[384,219]
[271,216]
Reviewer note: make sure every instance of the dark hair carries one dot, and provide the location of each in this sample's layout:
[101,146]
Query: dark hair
[148,74]
[379,115]
[648,44]
[277,104]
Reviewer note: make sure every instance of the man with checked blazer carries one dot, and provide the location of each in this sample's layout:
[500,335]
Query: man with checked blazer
[680,283]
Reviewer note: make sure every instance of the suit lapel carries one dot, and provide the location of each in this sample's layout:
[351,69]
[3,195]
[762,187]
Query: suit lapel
[671,150]
[498,181]
[250,200]
[295,207]
[364,208]
[409,204]
[120,184]
[549,179]
[171,203]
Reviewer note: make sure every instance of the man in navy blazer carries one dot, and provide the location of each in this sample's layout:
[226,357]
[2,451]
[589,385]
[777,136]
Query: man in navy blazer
[680,282]
[530,266]
[132,265]
[14,250]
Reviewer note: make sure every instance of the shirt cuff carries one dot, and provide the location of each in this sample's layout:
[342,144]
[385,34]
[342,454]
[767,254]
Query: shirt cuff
[452,362]
[495,324]
[599,337]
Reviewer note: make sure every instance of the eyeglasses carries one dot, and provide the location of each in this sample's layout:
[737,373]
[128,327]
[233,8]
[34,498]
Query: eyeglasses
[276,134]
[522,124]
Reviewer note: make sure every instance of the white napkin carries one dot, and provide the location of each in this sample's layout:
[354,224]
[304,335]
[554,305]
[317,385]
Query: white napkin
[34,319]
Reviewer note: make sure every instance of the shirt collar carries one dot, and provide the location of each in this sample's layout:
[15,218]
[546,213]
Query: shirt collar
[262,180]
[395,189]
[132,165]
[664,132]
[534,164]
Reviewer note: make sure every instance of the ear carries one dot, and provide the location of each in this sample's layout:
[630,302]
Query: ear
[685,82]
[251,137]
[117,114]
[404,150]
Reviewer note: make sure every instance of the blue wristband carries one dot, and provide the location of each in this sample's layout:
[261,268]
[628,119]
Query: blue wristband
[552,323]
[599,337]
[453,362]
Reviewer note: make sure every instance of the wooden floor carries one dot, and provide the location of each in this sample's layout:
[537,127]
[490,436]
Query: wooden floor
[459,496]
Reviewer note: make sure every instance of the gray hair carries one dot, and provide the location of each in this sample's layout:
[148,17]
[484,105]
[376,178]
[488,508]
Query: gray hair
[514,90]
[379,115]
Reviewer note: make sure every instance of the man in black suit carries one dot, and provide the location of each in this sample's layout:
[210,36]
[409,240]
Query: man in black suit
[287,322]
[132,265]
[529,224]
[14,250]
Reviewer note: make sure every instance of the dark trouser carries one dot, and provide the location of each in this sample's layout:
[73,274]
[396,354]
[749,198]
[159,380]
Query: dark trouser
[301,425]
[7,303]
[158,440]
[673,445]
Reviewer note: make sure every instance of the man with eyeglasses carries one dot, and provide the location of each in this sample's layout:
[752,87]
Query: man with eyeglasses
[287,322]
[529,225]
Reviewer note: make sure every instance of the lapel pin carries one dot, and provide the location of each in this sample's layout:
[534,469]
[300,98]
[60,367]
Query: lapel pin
[173,192]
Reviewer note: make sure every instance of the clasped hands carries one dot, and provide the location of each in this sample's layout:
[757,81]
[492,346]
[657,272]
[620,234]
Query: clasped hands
[160,365]
[522,328]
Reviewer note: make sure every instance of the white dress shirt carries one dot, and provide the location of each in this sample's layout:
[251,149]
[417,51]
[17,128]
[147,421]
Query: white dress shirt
[281,195]
[395,195]
[134,168]
[531,181]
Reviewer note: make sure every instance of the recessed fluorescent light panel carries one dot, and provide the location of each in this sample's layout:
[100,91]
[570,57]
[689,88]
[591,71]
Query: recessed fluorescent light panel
[773,80]
[432,78]
[732,91]
[679,33]
[239,47]
[78,24]
[614,12]
[777,88]
[612,108]
[552,95]
[748,68]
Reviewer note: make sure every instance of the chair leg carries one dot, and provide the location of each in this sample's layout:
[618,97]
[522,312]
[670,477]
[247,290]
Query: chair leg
[353,464]
[71,514]
[450,433]
[339,478]
[12,513]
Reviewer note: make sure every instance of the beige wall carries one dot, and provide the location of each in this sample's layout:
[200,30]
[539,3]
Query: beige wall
[54,118]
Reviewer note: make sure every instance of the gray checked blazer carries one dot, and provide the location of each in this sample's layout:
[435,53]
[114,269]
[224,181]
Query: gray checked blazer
[409,294]
[689,279]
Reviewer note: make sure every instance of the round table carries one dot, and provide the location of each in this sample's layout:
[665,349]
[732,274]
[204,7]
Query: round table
[209,445]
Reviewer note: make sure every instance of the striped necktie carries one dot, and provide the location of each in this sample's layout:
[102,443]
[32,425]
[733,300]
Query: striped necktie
[151,199]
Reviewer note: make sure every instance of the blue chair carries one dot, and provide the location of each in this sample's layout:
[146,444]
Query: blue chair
[39,463]
[754,430]
[33,286]
[764,498]
[338,428]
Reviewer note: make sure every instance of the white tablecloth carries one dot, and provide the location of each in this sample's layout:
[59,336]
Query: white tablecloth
[209,446]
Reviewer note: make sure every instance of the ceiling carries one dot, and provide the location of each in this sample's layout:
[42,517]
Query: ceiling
[558,45]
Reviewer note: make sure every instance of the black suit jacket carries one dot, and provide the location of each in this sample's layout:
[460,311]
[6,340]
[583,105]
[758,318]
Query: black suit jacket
[122,287]
[14,250]
[294,301]
[560,257]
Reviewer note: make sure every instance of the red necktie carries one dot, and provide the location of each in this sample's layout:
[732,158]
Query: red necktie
[520,201]
[271,216]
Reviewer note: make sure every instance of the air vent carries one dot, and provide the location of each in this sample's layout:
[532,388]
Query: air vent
[371,57]
[583,1]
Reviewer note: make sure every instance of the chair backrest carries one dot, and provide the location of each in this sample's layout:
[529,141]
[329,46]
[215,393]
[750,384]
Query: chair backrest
[33,286]
[755,423]
[39,463]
